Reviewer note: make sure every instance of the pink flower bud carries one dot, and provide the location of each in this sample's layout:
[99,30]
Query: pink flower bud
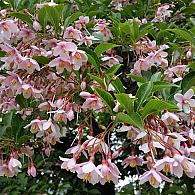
[83,85]
[32,170]
[36,25]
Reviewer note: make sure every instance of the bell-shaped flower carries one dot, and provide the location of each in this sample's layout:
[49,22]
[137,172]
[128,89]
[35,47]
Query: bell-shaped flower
[89,172]
[14,165]
[35,125]
[32,170]
[78,58]
[61,64]
[29,65]
[7,29]
[29,91]
[154,177]
[69,164]
[169,118]
[165,164]
[109,172]
[185,102]
[13,81]
[183,164]
[132,161]
[92,101]
[64,48]
[72,34]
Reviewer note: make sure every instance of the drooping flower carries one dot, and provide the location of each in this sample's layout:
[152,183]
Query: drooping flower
[32,170]
[7,29]
[109,172]
[64,48]
[68,164]
[185,102]
[89,172]
[72,34]
[132,161]
[61,64]
[29,65]
[92,101]
[169,118]
[154,177]
[14,165]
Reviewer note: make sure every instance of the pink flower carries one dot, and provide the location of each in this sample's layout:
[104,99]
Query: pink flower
[72,34]
[68,164]
[26,34]
[35,125]
[132,161]
[61,64]
[184,101]
[109,172]
[29,91]
[141,64]
[89,172]
[102,31]
[13,81]
[165,164]
[92,101]
[12,58]
[29,65]
[81,23]
[78,58]
[63,49]
[7,29]
[110,60]
[162,13]
[14,165]
[183,164]
[169,118]
[178,70]
[36,25]
[132,132]
[154,177]
[32,170]
[158,57]
[88,40]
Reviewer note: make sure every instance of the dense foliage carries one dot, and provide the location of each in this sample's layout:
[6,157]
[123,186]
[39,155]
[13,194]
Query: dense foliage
[103,89]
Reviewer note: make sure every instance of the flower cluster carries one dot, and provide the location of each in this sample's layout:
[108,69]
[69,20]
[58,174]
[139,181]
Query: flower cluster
[71,82]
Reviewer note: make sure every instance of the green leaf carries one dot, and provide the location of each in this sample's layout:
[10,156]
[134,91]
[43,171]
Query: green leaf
[113,69]
[101,48]
[106,98]
[93,62]
[21,101]
[54,18]
[2,53]
[23,139]
[156,105]
[116,82]
[132,119]
[41,59]
[23,17]
[142,94]
[137,78]
[7,119]
[161,85]
[71,19]
[125,101]
[98,80]
[188,81]
[92,58]
[183,34]
[192,65]
[43,18]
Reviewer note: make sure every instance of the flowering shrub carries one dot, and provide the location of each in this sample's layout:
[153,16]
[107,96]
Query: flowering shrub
[96,73]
